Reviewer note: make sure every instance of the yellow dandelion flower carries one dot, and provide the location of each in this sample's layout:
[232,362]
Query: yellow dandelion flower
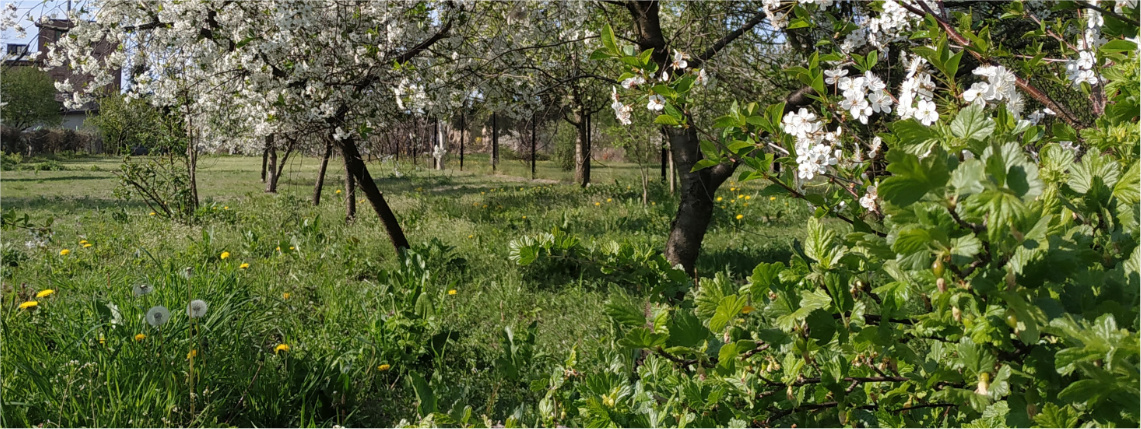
[226,208]
[82,241]
[773,198]
[740,196]
[596,204]
[471,236]
[225,255]
[482,193]
[384,367]
[653,203]
[45,293]
[746,204]
[609,200]
[285,295]
[452,292]
[29,304]
[337,192]
[193,353]
[485,206]
[102,341]
[740,216]
[64,252]
[140,337]
[244,265]
[152,213]
[278,248]
[281,348]
[86,245]
[292,248]
[719,199]
[747,309]
[732,189]
[747,197]
[524,217]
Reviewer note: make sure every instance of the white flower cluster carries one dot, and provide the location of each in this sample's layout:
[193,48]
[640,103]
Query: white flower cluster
[1081,69]
[863,95]
[622,111]
[916,95]
[776,18]
[868,201]
[815,148]
[886,27]
[1000,86]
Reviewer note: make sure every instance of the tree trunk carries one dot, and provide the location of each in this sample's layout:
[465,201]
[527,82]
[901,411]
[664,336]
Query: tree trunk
[350,195]
[264,162]
[321,173]
[271,170]
[671,171]
[696,208]
[192,171]
[463,129]
[494,141]
[582,151]
[533,139]
[359,172]
[440,134]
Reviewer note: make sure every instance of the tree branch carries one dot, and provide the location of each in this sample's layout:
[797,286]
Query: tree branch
[1063,113]
[728,38]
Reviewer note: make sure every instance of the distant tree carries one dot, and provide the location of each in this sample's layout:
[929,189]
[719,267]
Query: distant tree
[28,97]
[126,124]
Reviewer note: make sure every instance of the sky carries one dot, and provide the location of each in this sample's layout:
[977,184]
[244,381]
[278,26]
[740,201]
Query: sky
[30,10]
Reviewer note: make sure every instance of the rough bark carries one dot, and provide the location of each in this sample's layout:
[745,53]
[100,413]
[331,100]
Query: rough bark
[271,169]
[494,141]
[358,171]
[264,162]
[533,141]
[463,130]
[695,209]
[321,173]
[582,150]
[350,196]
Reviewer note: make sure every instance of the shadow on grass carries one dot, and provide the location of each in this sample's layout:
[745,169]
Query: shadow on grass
[740,261]
[60,204]
[36,179]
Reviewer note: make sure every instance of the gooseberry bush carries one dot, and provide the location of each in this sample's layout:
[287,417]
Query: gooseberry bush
[974,256]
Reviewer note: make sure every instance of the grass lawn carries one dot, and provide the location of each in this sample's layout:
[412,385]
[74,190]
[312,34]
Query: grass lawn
[328,290]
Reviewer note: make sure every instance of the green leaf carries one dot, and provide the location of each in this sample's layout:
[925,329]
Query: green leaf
[1128,189]
[424,397]
[609,41]
[704,163]
[666,120]
[1093,166]
[1053,416]
[968,178]
[686,330]
[972,123]
[914,137]
[727,310]
[911,177]
[1082,391]
[642,338]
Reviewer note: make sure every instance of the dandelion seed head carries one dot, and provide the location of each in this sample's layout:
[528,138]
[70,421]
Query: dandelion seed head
[157,315]
[196,308]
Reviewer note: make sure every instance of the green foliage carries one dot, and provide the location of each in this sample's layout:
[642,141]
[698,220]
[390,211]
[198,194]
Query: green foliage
[29,98]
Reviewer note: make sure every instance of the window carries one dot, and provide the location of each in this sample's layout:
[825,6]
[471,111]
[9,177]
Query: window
[14,49]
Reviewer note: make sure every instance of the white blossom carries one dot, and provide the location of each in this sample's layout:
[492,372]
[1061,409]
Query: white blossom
[657,103]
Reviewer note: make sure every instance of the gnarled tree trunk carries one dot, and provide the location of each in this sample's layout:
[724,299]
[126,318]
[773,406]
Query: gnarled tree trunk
[271,169]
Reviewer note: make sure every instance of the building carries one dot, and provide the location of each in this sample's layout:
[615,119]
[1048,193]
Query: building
[51,31]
